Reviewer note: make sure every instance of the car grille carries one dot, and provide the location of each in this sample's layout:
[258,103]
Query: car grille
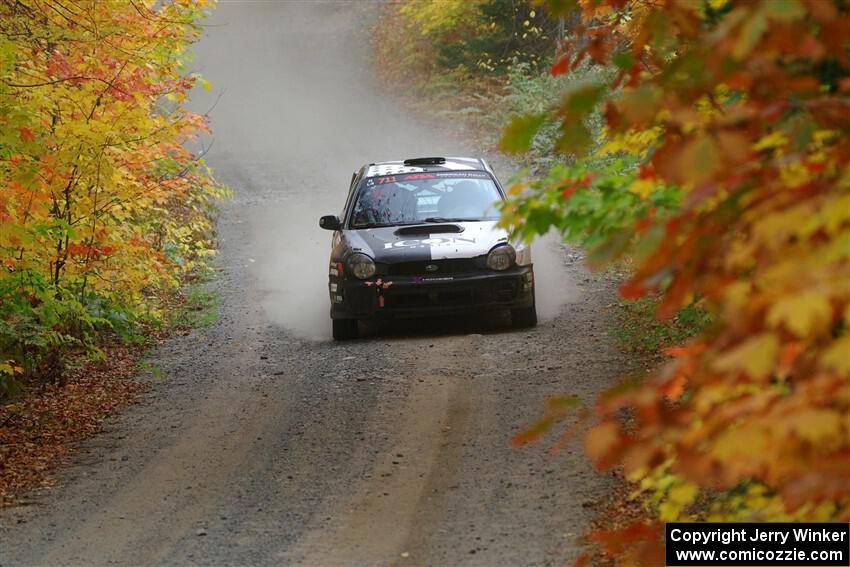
[450,266]
[439,296]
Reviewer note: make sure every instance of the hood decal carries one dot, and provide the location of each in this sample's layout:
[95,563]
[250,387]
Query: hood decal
[385,246]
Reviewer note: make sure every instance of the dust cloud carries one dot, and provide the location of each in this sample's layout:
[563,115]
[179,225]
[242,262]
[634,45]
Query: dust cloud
[554,285]
[292,268]
[293,122]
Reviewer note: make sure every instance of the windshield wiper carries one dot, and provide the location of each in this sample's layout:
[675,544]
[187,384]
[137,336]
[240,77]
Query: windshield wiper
[371,225]
[448,219]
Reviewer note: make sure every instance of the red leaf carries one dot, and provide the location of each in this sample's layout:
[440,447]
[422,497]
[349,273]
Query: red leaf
[27,135]
[618,540]
[632,290]
[561,66]
[816,167]
[643,224]
[647,171]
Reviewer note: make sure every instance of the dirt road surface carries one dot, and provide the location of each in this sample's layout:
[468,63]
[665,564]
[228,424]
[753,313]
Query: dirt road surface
[266,443]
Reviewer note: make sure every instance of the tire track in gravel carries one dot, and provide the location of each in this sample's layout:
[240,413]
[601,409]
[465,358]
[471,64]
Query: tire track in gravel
[380,517]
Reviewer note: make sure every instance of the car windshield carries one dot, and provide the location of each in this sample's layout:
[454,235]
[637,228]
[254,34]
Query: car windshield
[425,197]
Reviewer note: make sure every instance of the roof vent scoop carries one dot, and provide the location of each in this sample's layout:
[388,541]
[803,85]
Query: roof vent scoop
[425,161]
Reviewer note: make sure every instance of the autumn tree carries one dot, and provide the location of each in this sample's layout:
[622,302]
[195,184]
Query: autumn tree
[724,175]
[101,203]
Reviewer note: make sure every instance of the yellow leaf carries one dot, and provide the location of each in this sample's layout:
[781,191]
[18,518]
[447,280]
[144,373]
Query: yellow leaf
[736,442]
[678,498]
[517,188]
[794,174]
[642,187]
[803,314]
[684,493]
[837,213]
[737,294]
[773,140]
[636,142]
[837,356]
[817,425]
[756,356]
[773,230]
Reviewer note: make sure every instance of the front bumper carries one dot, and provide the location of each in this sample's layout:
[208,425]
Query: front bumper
[416,296]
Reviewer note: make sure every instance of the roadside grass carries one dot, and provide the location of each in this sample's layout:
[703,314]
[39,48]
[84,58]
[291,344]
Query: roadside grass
[636,328]
[196,305]
[200,309]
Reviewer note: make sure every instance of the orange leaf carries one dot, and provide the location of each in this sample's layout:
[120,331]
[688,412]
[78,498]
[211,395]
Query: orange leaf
[601,443]
[533,433]
[674,388]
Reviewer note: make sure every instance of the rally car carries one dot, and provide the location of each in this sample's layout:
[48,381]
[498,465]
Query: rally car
[420,237]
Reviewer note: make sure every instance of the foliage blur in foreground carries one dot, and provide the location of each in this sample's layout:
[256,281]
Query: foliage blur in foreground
[724,172]
[101,205]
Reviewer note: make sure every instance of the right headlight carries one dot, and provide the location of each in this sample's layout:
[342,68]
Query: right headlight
[361,265]
[501,258]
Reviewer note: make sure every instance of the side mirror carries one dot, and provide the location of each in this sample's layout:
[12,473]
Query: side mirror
[330,222]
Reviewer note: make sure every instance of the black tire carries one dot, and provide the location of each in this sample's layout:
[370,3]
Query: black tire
[524,318]
[344,329]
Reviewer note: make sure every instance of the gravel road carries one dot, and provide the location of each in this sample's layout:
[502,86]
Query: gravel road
[266,443]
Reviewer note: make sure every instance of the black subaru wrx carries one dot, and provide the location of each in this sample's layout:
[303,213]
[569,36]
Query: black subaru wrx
[420,237]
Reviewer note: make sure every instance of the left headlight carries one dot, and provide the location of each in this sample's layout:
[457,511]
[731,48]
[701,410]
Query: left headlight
[501,257]
[361,265]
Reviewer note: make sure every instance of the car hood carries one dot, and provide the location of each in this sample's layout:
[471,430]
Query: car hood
[425,242]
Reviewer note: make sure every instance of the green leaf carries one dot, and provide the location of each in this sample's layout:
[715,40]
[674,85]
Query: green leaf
[561,404]
[623,60]
[575,137]
[520,132]
[751,32]
[611,249]
[582,100]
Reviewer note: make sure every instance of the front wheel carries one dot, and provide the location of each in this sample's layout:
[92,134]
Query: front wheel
[344,329]
[525,317]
